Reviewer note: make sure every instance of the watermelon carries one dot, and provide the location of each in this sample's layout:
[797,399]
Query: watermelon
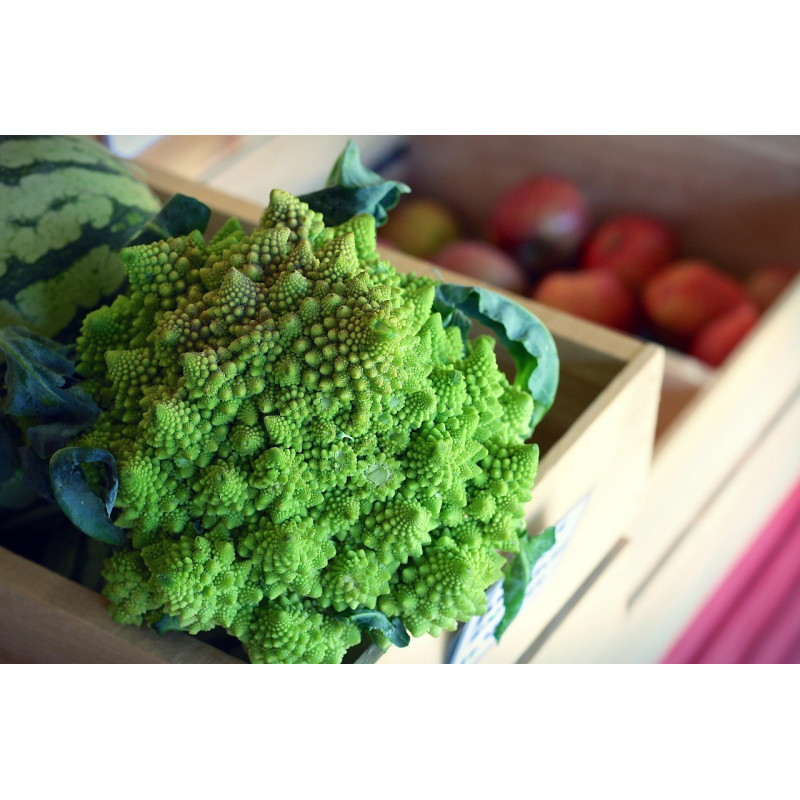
[67,206]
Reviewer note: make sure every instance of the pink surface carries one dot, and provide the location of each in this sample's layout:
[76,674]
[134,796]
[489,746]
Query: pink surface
[754,616]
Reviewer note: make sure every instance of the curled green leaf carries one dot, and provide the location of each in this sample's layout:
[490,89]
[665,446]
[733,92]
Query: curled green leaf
[518,574]
[167,623]
[179,216]
[522,333]
[76,497]
[352,189]
[38,378]
[379,627]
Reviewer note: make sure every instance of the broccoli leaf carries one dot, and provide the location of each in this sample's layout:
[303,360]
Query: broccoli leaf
[14,493]
[353,189]
[518,574]
[179,216]
[75,496]
[167,623]
[379,625]
[523,334]
[38,373]
[43,399]
[36,473]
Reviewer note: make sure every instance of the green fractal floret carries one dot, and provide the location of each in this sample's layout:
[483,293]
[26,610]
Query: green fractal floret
[290,630]
[299,437]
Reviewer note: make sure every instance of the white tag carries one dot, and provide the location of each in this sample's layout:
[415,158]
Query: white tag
[476,637]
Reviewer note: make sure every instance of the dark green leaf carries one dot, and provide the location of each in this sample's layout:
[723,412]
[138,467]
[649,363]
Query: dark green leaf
[523,334]
[75,496]
[36,473]
[352,189]
[518,574]
[39,378]
[379,625]
[48,437]
[43,396]
[167,623]
[179,216]
[14,493]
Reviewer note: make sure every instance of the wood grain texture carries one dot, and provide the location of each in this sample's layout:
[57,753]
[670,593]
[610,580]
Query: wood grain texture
[754,616]
[48,619]
[194,157]
[717,428]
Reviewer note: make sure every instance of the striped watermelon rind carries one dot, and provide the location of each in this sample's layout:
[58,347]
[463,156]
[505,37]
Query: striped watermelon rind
[67,206]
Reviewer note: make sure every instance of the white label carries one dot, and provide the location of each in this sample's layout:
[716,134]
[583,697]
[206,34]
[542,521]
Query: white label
[476,637]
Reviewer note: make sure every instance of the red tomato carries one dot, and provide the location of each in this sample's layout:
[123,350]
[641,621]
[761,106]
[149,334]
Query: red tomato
[633,246]
[541,222]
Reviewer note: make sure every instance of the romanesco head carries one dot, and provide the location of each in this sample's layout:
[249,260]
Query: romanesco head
[299,436]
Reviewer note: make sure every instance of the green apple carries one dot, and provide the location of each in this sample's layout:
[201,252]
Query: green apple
[420,226]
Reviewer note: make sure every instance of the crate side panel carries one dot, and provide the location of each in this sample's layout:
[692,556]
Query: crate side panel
[717,429]
[48,619]
[728,524]
[608,465]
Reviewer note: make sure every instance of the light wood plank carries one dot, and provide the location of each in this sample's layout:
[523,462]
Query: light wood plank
[296,164]
[717,428]
[48,619]
[194,157]
[721,533]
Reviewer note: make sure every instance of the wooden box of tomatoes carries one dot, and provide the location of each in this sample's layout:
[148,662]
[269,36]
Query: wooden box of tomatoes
[689,241]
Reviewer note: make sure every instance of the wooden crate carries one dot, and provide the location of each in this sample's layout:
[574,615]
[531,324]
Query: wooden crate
[596,446]
[728,444]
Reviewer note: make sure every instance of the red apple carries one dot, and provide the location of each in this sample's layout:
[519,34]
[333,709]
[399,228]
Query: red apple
[716,340]
[597,296]
[633,246]
[483,261]
[540,222]
[768,282]
[683,296]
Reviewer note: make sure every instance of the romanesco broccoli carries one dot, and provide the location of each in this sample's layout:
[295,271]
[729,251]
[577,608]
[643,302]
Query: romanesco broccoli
[298,436]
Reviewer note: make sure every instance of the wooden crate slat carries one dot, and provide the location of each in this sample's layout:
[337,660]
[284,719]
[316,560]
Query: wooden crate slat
[46,619]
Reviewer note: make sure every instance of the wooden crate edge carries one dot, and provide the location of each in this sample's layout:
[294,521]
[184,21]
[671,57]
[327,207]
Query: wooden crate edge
[47,618]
